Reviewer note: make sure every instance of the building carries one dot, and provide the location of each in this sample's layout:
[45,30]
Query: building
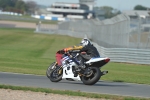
[136,13]
[99,13]
[139,18]
[61,11]
[81,10]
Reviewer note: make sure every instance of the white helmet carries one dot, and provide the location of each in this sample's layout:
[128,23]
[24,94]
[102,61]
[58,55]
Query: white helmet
[85,42]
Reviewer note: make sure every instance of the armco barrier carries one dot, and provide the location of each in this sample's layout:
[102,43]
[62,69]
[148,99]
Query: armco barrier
[127,55]
[10,13]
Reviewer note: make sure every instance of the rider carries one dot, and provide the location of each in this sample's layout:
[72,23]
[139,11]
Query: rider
[85,46]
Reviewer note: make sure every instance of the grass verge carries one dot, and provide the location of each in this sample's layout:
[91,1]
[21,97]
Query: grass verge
[26,19]
[34,21]
[71,93]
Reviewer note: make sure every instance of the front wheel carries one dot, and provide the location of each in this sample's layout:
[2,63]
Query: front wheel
[93,76]
[56,74]
[50,69]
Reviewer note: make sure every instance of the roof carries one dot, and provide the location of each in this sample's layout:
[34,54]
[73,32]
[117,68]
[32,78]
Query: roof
[63,4]
[135,12]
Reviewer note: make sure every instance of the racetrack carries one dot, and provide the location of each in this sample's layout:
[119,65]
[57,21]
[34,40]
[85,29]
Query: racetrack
[102,87]
[14,24]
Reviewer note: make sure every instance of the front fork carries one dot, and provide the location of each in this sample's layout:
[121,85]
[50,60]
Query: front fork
[59,70]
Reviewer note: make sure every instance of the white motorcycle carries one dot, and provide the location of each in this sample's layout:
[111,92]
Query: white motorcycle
[89,74]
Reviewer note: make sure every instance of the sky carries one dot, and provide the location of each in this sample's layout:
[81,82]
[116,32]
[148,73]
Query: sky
[117,4]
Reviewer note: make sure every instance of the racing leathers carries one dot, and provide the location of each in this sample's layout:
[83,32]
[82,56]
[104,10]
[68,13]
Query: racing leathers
[90,50]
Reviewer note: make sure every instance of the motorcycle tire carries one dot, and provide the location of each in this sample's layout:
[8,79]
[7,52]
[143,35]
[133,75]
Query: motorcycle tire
[95,77]
[50,69]
[55,78]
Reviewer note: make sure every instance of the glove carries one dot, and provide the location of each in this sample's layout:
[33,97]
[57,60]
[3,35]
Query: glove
[65,50]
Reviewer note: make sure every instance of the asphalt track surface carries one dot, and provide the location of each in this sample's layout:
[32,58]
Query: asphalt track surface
[101,87]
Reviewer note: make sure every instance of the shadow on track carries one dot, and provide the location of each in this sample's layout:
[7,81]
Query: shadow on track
[100,83]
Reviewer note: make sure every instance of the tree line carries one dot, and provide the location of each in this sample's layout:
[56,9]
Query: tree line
[18,6]
[140,7]
[111,12]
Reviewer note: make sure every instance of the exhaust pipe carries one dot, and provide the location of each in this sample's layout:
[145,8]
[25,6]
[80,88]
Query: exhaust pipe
[104,73]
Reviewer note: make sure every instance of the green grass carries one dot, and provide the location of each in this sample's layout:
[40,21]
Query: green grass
[131,73]
[35,21]
[23,51]
[71,93]
[27,19]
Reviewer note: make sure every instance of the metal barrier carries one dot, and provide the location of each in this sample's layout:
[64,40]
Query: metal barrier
[127,55]
[116,32]
[108,33]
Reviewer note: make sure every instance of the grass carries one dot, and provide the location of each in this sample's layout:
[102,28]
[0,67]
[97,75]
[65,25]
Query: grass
[26,19]
[23,51]
[71,93]
[35,21]
[124,72]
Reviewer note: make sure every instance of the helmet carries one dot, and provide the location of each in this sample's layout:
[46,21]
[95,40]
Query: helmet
[85,42]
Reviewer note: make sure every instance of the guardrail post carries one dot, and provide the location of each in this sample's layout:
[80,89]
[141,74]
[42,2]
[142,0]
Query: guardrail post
[139,29]
[148,40]
[38,26]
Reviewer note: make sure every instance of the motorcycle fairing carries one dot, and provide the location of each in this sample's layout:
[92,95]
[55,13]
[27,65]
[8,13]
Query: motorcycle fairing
[67,73]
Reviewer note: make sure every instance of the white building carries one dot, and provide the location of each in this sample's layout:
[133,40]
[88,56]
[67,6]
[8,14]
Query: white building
[81,10]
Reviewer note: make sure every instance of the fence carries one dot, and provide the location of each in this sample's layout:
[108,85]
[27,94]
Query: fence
[108,33]
[116,38]
[128,55]
[140,33]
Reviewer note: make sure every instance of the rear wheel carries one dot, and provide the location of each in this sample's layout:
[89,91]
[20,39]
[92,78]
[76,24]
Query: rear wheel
[92,77]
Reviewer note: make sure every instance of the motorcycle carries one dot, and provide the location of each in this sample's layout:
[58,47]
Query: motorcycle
[70,70]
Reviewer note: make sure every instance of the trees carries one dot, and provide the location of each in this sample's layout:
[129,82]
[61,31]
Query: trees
[109,11]
[18,6]
[5,3]
[13,5]
[140,7]
[21,6]
[32,6]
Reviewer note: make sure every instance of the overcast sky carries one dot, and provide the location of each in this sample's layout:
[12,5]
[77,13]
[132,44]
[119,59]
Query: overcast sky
[117,4]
